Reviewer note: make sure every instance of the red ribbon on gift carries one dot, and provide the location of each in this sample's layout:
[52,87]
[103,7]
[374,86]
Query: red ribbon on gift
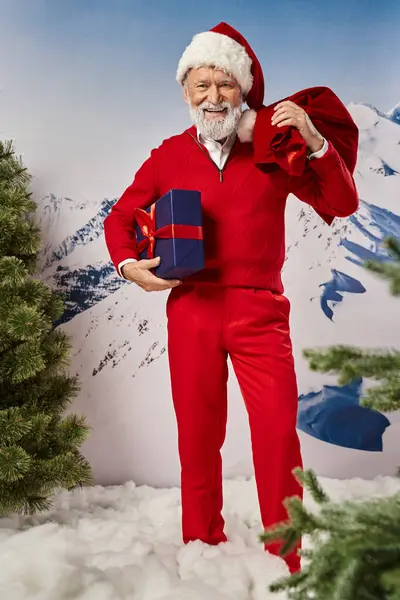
[147,224]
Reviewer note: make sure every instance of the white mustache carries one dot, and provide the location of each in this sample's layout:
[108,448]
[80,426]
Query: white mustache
[213,108]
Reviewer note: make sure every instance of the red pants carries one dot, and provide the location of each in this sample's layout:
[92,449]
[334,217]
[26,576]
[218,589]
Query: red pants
[207,323]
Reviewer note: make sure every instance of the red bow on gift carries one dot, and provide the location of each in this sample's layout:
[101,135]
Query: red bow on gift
[147,224]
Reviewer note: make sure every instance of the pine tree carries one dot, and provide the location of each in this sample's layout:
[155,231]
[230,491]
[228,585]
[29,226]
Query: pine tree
[355,551]
[355,547]
[39,452]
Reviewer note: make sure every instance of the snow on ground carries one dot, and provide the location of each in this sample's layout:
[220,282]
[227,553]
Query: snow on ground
[123,542]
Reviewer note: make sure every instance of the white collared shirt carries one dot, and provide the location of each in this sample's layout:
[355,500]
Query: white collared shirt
[219,153]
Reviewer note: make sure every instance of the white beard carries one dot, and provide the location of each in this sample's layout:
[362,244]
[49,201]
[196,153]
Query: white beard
[218,129]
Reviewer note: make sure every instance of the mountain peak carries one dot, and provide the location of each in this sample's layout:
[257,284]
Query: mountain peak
[394,114]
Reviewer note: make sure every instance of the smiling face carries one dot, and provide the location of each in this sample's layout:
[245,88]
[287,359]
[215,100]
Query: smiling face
[215,101]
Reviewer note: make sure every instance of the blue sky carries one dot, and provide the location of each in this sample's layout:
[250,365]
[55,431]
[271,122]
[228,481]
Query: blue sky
[96,78]
[350,45]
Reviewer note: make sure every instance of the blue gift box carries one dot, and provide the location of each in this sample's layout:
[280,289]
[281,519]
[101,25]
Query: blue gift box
[180,256]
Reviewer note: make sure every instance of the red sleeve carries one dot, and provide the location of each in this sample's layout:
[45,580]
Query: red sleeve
[119,225]
[327,185]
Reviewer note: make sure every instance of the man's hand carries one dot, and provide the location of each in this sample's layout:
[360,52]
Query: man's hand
[288,113]
[139,273]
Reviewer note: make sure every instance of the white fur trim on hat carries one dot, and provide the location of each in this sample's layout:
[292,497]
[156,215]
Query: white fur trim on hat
[211,49]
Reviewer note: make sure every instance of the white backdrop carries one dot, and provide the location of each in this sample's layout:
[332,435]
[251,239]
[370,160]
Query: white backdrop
[85,111]
[120,342]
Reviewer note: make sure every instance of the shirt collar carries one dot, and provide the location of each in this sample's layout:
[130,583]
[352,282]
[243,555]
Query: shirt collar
[227,145]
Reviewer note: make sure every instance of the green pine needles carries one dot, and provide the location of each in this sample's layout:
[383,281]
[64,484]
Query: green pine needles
[381,366]
[39,452]
[355,546]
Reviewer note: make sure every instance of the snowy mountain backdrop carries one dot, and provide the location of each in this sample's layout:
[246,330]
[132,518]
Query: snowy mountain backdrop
[120,337]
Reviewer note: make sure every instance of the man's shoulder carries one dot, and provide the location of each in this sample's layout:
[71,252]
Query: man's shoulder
[175,142]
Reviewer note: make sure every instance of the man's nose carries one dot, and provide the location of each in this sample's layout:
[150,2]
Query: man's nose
[214,95]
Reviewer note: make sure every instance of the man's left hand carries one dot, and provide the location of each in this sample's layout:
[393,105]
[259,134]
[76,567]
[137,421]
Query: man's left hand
[288,113]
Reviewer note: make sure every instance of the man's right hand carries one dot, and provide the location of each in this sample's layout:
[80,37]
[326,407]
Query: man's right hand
[139,272]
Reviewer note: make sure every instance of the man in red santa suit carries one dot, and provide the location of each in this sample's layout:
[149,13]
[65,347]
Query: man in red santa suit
[235,307]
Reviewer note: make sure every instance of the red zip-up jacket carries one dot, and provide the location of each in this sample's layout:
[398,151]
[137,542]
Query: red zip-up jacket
[243,207]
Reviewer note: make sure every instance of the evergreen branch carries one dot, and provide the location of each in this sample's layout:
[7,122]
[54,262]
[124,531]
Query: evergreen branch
[295,582]
[393,245]
[31,504]
[55,308]
[390,581]
[347,579]
[57,347]
[36,441]
[63,471]
[389,271]
[56,392]
[28,241]
[26,322]
[71,431]
[332,359]
[302,520]
[309,480]
[32,493]
[355,544]
[12,272]
[385,397]
[20,501]
[12,171]
[16,201]
[35,293]
[14,463]
[31,263]
[25,361]
[351,363]
[48,393]
[13,426]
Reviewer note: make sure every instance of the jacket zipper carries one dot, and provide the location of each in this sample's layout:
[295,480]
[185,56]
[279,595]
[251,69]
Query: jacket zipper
[221,171]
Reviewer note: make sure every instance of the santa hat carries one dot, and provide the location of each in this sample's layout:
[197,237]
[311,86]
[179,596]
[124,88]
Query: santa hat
[226,49]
